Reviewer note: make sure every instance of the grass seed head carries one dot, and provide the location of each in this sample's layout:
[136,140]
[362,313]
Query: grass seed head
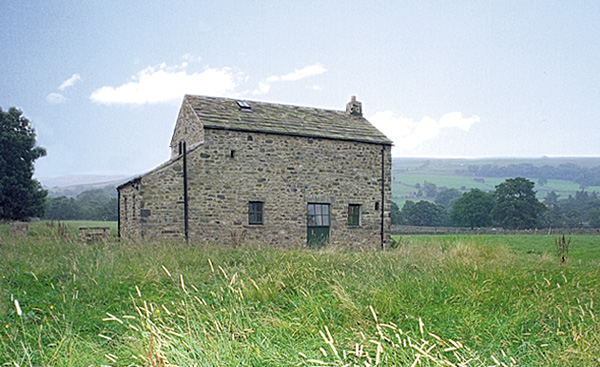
[18,308]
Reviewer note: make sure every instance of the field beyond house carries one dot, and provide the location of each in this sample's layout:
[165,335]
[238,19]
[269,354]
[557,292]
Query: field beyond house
[409,173]
[433,301]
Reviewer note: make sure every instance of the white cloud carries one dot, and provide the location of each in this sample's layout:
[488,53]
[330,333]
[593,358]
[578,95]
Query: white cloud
[70,82]
[408,134]
[263,88]
[158,84]
[298,74]
[455,119]
[55,98]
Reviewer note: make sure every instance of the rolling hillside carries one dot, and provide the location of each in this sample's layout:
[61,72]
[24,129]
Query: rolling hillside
[410,174]
[71,186]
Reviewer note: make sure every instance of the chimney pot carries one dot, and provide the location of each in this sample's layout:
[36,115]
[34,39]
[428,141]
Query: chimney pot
[354,107]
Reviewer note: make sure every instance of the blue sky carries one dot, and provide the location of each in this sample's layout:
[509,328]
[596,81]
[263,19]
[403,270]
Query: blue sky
[102,81]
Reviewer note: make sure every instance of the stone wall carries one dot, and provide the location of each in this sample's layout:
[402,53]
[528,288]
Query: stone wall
[232,168]
[399,230]
[129,224]
[188,128]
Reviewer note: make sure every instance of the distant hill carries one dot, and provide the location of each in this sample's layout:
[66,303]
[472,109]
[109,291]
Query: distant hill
[71,186]
[418,178]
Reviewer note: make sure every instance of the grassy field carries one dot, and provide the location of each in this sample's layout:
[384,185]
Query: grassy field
[46,229]
[476,300]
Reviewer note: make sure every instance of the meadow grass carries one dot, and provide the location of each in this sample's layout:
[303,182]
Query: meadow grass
[433,301]
[52,229]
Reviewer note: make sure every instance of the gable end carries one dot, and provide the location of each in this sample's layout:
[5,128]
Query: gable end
[188,128]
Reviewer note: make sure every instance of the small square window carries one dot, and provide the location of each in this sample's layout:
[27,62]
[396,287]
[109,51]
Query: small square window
[255,212]
[353,215]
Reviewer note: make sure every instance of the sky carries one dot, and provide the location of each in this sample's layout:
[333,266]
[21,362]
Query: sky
[102,81]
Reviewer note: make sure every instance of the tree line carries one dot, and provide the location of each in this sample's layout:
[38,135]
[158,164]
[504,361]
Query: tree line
[567,171]
[512,205]
[94,204]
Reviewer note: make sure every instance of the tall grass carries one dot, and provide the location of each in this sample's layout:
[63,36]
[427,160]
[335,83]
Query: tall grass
[479,301]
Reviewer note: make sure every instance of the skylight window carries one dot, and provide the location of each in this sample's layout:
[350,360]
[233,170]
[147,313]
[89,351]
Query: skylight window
[244,105]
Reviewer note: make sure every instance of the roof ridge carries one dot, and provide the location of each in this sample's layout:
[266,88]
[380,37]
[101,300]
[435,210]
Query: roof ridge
[265,103]
[284,119]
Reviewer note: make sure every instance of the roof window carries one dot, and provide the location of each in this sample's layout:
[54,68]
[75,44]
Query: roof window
[244,106]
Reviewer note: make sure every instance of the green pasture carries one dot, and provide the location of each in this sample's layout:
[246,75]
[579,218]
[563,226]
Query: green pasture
[403,184]
[407,173]
[410,179]
[45,229]
[432,301]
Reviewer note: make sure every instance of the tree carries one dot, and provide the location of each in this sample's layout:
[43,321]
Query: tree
[593,216]
[21,197]
[406,208]
[573,219]
[516,205]
[447,198]
[62,208]
[551,199]
[430,189]
[95,204]
[108,211]
[424,213]
[553,217]
[473,209]
[395,213]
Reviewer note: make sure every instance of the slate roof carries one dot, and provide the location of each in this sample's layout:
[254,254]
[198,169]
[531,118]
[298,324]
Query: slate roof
[226,113]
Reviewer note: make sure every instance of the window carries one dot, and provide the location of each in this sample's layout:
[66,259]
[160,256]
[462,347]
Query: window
[133,207]
[244,105]
[255,212]
[353,215]
[318,215]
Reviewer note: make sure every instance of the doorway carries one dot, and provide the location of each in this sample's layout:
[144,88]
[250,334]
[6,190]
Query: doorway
[318,222]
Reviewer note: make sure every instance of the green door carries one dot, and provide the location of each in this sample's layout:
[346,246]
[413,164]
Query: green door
[317,224]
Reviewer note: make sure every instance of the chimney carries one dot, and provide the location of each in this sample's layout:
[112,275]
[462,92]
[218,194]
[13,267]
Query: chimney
[354,107]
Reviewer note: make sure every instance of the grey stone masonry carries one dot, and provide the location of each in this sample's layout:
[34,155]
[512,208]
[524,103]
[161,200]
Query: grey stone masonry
[230,167]
[188,128]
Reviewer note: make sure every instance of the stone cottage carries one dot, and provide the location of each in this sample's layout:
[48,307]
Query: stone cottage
[246,171]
